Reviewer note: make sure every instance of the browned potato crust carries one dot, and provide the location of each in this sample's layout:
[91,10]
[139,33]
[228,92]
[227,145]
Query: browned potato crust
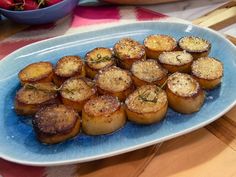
[208,72]
[66,67]
[76,91]
[56,123]
[36,72]
[148,72]
[102,115]
[114,81]
[128,51]
[30,98]
[184,93]
[156,44]
[146,105]
[196,46]
[97,59]
[177,61]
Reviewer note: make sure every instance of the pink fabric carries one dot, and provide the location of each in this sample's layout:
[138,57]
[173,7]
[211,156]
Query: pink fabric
[145,14]
[82,17]
[95,15]
[8,47]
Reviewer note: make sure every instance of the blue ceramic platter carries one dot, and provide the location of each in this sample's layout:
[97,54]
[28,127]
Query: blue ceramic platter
[17,139]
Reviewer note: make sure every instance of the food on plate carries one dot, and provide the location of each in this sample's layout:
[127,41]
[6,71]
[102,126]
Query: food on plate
[208,72]
[128,51]
[114,81]
[196,46]
[110,98]
[76,91]
[31,97]
[56,123]
[146,105]
[148,72]
[66,67]
[102,115]
[184,93]
[156,44]
[176,61]
[97,59]
[36,72]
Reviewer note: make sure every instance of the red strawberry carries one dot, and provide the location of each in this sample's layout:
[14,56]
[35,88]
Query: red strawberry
[6,4]
[52,2]
[30,5]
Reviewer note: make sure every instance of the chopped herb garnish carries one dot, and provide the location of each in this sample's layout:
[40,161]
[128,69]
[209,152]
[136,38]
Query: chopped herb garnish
[145,96]
[100,59]
[48,90]
[39,88]
[178,58]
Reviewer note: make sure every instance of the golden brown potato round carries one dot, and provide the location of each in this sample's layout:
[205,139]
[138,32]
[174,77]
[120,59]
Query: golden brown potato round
[36,72]
[146,105]
[208,72]
[184,93]
[102,115]
[31,97]
[56,123]
[148,72]
[66,67]
[156,44]
[177,61]
[196,46]
[76,91]
[128,51]
[97,59]
[114,81]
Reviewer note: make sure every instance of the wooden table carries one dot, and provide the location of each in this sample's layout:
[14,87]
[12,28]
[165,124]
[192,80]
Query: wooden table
[207,152]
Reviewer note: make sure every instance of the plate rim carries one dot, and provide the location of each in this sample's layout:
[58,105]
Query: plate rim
[135,147]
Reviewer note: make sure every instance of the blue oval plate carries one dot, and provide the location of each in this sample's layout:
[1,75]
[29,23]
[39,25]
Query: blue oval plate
[17,139]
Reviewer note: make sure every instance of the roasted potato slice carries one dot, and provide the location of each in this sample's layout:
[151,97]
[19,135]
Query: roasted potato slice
[31,97]
[208,72]
[114,81]
[177,61]
[196,46]
[148,72]
[184,93]
[128,51]
[102,115]
[76,91]
[36,72]
[156,44]
[97,59]
[66,67]
[56,123]
[146,105]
